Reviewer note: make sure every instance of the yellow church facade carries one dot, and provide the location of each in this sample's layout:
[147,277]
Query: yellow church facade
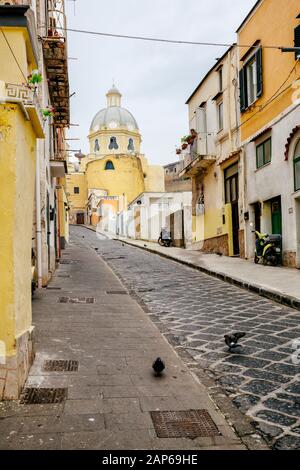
[115,172]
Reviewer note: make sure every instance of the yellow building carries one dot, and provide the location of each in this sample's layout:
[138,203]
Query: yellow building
[115,169]
[20,127]
[270,123]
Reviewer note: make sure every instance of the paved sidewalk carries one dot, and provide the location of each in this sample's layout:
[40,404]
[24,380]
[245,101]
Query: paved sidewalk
[110,397]
[277,283]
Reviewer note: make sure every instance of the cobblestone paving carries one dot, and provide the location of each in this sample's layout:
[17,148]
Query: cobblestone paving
[194,311]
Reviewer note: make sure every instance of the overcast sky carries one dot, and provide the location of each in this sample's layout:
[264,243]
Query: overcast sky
[155,79]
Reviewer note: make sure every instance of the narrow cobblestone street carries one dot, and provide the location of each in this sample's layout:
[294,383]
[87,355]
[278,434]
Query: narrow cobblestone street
[92,386]
[194,311]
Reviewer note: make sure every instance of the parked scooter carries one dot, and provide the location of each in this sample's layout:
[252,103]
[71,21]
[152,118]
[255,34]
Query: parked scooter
[165,238]
[267,249]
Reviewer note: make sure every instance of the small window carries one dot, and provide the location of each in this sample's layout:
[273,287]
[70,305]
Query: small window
[297,167]
[109,165]
[76,190]
[113,145]
[251,80]
[97,146]
[251,72]
[220,72]
[130,147]
[221,115]
[264,153]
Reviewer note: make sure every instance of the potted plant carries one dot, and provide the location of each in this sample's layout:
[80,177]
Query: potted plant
[48,112]
[178,151]
[184,145]
[35,78]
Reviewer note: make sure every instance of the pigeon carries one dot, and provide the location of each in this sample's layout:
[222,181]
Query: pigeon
[158,366]
[232,340]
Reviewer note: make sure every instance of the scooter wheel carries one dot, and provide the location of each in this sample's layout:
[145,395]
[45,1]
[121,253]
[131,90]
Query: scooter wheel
[256,259]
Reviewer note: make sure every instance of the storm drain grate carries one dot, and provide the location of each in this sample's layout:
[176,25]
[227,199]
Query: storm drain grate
[65,276]
[189,424]
[76,300]
[116,257]
[53,288]
[117,292]
[61,366]
[43,396]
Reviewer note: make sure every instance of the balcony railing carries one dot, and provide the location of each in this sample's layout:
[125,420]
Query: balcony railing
[56,61]
[56,19]
[199,156]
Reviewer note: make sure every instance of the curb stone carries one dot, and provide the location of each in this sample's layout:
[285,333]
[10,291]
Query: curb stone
[277,297]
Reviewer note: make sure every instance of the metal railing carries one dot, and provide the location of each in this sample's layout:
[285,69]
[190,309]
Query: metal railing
[56,27]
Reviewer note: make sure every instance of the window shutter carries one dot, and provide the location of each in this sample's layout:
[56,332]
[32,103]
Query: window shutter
[297,41]
[259,69]
[243,90]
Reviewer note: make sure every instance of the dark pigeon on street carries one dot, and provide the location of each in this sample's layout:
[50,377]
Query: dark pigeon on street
[158,366]
[232,340]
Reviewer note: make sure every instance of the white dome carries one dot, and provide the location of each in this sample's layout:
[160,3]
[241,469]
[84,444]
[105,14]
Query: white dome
[112,118]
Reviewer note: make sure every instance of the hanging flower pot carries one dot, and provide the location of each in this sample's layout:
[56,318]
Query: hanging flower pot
[184,146]
[35,77]
[48,112]
[178,151]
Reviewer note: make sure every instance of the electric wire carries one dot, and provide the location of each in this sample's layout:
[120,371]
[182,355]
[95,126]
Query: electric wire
[170,41]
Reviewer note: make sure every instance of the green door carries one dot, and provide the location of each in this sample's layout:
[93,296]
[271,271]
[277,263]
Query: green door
[276,216]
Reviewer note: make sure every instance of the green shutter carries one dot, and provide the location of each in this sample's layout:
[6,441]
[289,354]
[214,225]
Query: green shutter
[297,41]
[259,67]
[243,90]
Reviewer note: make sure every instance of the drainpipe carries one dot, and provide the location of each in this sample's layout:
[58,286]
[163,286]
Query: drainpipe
[38,217]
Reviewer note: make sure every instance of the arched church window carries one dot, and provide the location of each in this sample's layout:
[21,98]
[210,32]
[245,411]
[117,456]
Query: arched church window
[97,146]
[109,165]
[113,143]
[297,167]
[130,147]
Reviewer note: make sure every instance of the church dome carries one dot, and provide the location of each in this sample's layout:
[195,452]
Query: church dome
[114,116]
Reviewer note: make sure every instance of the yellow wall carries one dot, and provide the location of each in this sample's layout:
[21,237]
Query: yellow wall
[272,27]
[126,178]
[11,73]
[17,183]
[77,201]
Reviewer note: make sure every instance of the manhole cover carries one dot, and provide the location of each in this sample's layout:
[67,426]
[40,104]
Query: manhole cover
[117,292]
[61,366]
[189,424]
[43,396]
[76,300]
